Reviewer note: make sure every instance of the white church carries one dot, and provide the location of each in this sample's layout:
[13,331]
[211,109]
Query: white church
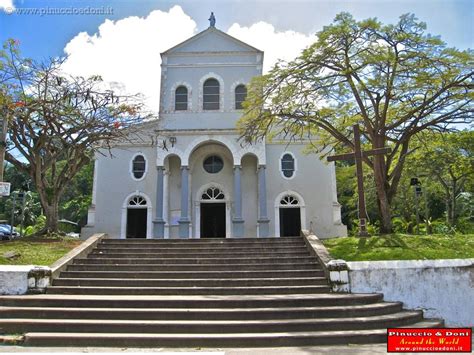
[194,178]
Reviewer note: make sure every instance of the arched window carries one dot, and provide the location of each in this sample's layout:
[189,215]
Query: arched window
[137,202]
[240,96]
[138,166]
[211,96]
[288,165]
[213,193]
[289,200]
[181,99]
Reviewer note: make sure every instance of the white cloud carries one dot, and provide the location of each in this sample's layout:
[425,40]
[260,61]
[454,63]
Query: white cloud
[7,5]
[126,53]
[276,45]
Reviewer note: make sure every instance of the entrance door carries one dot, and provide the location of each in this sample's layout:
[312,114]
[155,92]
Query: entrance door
[136,222]
[290,222]
[213,220]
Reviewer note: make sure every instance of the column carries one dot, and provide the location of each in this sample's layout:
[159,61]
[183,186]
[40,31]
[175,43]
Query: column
[263,221]
[237,221]
[159,222]
[184,221]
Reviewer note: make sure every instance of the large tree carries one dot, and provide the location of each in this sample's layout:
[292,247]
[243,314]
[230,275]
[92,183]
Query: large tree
[56,122]
[393,80]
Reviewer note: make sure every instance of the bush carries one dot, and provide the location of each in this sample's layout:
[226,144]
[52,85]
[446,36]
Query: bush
[465,225]
[40,222]
[440,227]
[399,225]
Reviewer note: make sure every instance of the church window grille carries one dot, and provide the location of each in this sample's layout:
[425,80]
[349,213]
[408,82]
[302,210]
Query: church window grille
[137,202]
[288,165]
[181,99]
[240,96]
[211,94]
[138,167]
[213,193]
[289,200]
[213,164]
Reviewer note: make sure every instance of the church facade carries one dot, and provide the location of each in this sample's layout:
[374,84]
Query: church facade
[197,180]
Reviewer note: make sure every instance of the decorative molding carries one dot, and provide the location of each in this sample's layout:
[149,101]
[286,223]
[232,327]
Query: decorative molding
[211,75]
[197,208]
[149,217]
[173,96]
[232,92]
[301,206]
[131,166]
[295,165]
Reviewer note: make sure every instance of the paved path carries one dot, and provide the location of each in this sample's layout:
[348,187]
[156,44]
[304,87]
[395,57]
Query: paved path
[333,350]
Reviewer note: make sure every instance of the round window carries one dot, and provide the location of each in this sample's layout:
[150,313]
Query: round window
[213,164]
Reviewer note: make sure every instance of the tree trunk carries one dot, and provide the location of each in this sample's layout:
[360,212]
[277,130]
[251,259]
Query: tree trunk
[384,210]
[382,187]
[453,203]
[51,213]
[50,210]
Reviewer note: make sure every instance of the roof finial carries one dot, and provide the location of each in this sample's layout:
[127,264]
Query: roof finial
[212,20]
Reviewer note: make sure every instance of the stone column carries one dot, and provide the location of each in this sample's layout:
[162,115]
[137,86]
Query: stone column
[184,221]
[237,221]
[263,221]
[159,222]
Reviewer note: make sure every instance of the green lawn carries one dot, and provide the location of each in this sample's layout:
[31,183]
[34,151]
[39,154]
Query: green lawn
[402,247]
[36,251]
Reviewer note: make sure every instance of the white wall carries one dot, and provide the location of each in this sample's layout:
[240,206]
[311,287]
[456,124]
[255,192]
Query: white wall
[442,288]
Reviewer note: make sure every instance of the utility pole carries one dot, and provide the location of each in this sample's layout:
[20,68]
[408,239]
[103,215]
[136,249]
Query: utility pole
[3,140]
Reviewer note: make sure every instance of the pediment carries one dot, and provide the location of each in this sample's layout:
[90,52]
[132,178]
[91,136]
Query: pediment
[211,40]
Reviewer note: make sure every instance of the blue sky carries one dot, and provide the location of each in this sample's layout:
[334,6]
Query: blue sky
[137,30]
[44,36]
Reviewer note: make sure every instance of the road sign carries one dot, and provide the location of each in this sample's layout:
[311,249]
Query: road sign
[5,189]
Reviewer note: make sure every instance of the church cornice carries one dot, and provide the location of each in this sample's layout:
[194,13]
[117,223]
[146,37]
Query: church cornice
[211,30]
[207,65]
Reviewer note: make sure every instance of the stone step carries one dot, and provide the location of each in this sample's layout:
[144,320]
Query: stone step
[23,325]
[193,249]
[206,241]
[201,314]
[251,282]
[243,290]
[180,275]
[215,261]
[94,265]
[191,301]
[218,340]
[202,255]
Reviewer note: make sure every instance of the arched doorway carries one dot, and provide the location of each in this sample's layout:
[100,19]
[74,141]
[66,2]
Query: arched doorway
[212,213]
[136,217]
[289,215]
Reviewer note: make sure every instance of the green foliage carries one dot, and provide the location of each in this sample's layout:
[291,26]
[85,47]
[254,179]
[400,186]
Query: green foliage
[39,224]
[402,247]
[77,197]
[394,81]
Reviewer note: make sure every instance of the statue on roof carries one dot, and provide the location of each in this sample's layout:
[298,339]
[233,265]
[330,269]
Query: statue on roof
[212,20]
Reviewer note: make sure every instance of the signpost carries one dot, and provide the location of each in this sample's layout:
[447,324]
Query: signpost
[358,155]
[5,188]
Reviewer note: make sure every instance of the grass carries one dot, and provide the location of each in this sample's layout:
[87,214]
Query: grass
[402,247]
[36,250]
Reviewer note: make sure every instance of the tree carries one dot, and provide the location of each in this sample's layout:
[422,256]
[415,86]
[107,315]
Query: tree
[449,160]
[54,117]
[393,80]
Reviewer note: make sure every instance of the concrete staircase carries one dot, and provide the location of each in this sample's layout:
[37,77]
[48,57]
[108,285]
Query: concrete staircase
[200,293]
